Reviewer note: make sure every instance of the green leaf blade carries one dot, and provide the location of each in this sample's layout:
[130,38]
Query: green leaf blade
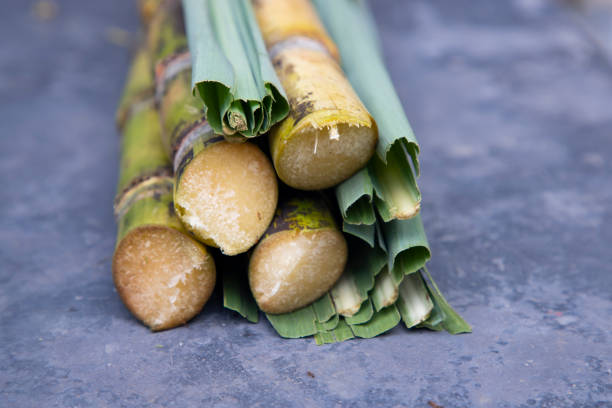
[231,70]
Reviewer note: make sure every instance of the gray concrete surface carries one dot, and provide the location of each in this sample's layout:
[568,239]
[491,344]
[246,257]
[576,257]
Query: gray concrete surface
[512,104]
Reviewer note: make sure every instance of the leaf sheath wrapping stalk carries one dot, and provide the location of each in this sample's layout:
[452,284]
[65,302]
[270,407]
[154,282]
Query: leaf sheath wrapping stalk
[443,316]
[231,69]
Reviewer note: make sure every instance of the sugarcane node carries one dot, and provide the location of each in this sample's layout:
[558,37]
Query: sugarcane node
[145,187]
[182,132]
[183,164]
[301,107]
[162,276]
[167,69]
[301,257]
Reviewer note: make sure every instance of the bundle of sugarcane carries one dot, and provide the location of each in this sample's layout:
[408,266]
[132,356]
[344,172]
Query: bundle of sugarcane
[308,276]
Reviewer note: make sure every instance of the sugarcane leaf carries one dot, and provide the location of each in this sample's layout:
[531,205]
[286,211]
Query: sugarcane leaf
[301,323]
[237,295]
[382,321]
[355,199]
[366,267]
[380,239]
[350,25]
[324,337]
[364,314]
[329,325]
[397,194]
[363,231]
[324,308]
[452,322]
[341,333]
[231,70]
[414,302]
[407,245]
[318,316]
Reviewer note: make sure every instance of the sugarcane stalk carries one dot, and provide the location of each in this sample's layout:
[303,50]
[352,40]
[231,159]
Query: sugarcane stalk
[300,257]
[225,193]
[329,134]
[137,90]
[147,9]
[162,275]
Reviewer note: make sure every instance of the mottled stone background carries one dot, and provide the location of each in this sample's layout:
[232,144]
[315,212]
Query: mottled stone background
[512,103]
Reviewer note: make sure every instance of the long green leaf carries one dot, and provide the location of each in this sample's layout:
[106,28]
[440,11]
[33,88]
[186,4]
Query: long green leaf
[301,323]
[324,308]
[231,70]
[237,295]
[355,199]
[364,314]
[350,25]
[362,231]
[307,321]
[381,322]
[452,322]
[407,246]
[341,333]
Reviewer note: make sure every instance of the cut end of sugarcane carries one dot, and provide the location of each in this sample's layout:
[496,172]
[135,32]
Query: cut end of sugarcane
[163,276]
[346,296]
[406,210]
[227,196]
[237,122]
[322,157]
[414,304]
[385,291]
[291,269]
